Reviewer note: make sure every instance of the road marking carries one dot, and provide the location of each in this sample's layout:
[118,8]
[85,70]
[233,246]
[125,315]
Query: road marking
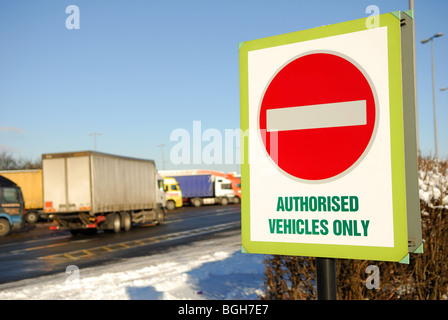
[47,246]
[328,115]
[48,239]
[105,248]
[40,247]
[91,252]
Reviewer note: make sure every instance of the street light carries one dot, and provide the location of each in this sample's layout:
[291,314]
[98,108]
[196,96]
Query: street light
[434,36]
[94,134]
[434,87]
[443,89]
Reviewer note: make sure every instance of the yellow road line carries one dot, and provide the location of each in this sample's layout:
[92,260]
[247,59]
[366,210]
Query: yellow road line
[73,255]
[46,246]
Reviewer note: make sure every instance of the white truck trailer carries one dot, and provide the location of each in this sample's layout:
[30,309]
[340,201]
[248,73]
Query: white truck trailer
[91,190]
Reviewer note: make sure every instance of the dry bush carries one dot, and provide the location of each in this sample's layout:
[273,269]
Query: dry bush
[424,278]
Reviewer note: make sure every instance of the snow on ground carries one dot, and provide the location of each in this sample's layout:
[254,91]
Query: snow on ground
[209,269]
[433,186]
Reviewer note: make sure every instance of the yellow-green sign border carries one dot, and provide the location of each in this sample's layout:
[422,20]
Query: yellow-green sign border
[399,251]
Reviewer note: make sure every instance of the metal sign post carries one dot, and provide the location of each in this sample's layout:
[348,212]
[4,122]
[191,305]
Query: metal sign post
[326,278]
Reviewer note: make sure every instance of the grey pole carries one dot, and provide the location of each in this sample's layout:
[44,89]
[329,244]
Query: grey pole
[434,99]
[434,88]
[326,278]
[94,134]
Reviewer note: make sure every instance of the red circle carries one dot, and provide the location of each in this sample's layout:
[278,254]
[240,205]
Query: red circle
[321,153]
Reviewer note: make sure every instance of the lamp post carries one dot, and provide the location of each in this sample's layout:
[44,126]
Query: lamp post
[94,134]
[434,86]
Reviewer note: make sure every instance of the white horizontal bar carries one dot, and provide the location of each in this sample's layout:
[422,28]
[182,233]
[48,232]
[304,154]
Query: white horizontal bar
[339,114]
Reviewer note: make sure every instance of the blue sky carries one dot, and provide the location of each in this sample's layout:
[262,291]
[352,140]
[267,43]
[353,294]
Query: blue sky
[137,70]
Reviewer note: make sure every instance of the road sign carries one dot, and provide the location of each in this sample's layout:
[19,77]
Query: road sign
[319,104]
[323,168]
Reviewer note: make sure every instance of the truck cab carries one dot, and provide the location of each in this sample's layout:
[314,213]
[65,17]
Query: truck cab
[173,193]
[223,190]
[161,197]
[11,206]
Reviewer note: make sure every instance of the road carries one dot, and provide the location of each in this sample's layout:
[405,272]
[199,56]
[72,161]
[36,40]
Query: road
[37,251]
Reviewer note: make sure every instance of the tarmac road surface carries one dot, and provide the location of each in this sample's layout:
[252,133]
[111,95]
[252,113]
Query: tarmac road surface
[35,250]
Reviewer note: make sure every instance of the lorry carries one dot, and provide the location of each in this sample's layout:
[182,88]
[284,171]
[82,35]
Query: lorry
[30,182]
[173,193]
[236,186]
[12,206]
[88,191]
[199,189]
[234,179]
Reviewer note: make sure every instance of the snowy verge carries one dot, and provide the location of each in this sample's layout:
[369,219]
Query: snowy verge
[209,269]
[433,184]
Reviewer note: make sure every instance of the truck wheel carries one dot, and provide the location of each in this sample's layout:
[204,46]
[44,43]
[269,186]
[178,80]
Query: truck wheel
[236,200]
[113,222]
[126,221]
[224,201]
[170,205]
[116,227]
[160,215]
[196,202]
[31,217]
[5,228]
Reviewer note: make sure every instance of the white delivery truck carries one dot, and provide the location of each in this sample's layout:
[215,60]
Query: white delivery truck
[91,190]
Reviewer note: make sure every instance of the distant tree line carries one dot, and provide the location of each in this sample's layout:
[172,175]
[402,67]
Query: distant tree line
[9,162]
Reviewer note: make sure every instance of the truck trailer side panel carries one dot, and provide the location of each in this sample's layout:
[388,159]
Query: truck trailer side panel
[122,184]
[30,181]
[196,185]
[98,183]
